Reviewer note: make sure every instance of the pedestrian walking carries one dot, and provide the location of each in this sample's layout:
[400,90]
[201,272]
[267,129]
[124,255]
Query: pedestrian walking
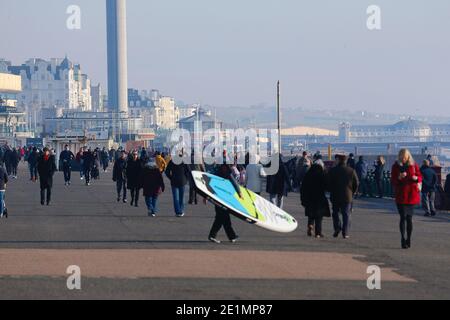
[153,186]
[255,174]
[379,175]
[32,160]
[279,185]
[343,184]
[46,168]
[134,171]
[160,162]
[222,218]
[3,182]
[104,158]
[66,157]
[301,168]
[407,180]
[120,176]
[429,188]
[88,165]
[362,171]
[179,175]
[313,198]
[192,190]
[15,159]
[79,159]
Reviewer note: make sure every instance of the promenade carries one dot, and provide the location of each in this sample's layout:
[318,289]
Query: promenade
[123,254]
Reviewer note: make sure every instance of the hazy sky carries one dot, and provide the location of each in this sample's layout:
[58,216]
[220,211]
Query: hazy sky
[232,52]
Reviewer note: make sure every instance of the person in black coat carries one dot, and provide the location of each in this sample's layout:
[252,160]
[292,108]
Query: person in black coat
[88,164]
[134,170]
[120,176]
[343,184]
[15,159]
[313,198]
[7,157]
[46,167]
[66,158]
[429,189]
[379,173]
[153,184]
[279,185]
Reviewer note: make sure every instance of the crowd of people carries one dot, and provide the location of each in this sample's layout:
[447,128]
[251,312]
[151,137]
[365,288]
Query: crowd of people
[325,191]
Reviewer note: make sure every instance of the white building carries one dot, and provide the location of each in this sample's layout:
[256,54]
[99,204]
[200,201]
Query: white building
[404,131]
[56,83]
[166,114]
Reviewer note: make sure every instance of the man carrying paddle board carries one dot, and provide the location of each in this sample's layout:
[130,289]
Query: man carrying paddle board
[223,215]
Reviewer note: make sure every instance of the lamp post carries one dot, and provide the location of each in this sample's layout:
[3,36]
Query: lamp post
[279,117]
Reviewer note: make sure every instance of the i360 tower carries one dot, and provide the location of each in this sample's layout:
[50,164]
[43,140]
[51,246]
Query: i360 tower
[116,21]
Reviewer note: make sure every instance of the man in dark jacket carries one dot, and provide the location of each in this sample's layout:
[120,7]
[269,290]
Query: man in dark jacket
[153,184]
[351,162]
[279,185]
[134,171]
[429,188]
[46,167]
[343,184]
[179,175]
[66,158]
[32,163]
[88,163]
[120,176]
[362,171]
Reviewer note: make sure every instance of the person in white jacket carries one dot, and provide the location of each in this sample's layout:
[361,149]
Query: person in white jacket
[254,177]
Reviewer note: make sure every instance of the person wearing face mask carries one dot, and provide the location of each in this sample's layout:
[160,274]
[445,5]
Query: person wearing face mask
[46,167]
[406,179]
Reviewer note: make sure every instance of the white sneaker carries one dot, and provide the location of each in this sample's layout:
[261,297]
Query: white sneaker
[214,240]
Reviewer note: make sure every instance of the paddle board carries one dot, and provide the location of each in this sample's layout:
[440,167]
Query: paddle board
[252,208]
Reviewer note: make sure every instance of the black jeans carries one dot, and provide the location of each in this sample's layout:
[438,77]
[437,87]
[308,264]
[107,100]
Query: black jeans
[317,223]
[406,223]
[121,185]
[49,195]
[67,172]
[222,220]
[192,193]
[134,195]
[87,175]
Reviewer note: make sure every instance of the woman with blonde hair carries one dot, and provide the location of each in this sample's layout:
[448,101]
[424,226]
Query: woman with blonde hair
[406,179]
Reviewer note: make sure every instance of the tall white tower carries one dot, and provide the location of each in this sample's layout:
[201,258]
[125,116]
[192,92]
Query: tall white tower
[116,20]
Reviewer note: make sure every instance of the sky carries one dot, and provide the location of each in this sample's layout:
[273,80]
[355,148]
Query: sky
[232,52]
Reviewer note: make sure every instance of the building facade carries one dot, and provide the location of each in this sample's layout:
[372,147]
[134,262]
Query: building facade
[404,131]
[14,128]
[46,84]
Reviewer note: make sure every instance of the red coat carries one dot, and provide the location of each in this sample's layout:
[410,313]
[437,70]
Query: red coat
[406,190]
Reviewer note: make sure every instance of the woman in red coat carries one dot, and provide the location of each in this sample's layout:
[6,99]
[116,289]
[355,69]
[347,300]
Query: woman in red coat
[406,179]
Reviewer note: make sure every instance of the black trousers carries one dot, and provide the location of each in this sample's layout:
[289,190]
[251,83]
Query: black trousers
[134,195]
[380,188]
[121,186]
[317,223]
[67,172]
[192,193]
[406,223]
[222,220]
[49,195]
[87,175]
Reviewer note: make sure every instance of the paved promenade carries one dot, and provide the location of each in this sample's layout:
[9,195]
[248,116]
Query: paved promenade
[123,254]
